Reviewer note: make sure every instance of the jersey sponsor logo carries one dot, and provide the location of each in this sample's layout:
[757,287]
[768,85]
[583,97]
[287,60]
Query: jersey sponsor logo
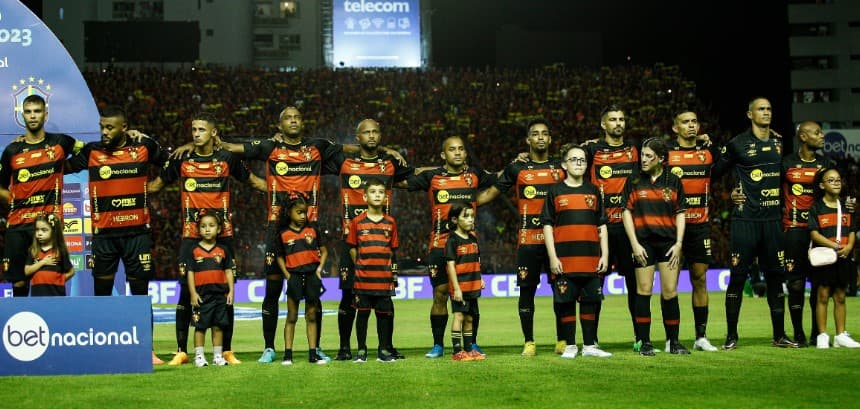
[105,172]
[606,172]
[442,196]
[678,171]
[23,175]
[190,184]
[770,192]
[354,181]
[694,201]
[35,199]
[530,192]
[756,175]
[124,202]
[125,218]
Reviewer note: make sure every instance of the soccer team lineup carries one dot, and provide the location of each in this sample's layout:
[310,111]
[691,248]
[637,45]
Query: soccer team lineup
[605,205]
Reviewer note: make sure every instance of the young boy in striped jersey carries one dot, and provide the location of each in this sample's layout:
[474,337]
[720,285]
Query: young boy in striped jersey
[373,240]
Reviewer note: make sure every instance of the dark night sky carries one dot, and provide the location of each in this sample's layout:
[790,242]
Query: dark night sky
[733,50]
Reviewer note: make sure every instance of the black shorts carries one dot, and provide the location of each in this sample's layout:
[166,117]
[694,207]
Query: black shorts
[18,242]
[762,240]
[796,254]
[380,303]
[837,275]
[134,251]
[212,312]
[346,270]
[304,285]
[438,267]
[468,306]
[531,261]
[569,288]
[620,252]
[697,244]
[656,251]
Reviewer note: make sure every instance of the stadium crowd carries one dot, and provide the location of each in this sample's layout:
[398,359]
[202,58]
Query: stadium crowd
[416,109]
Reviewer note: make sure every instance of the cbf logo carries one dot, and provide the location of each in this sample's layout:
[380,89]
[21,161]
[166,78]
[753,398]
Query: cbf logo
[24,88]
[26,336]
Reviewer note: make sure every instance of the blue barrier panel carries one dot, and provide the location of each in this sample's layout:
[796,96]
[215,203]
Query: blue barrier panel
[76,335]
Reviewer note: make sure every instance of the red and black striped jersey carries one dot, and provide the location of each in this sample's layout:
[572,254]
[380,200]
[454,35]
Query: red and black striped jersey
[575,214]
[532,181]
[209,268]
[33,174]
[354,172]
[374,243]
[443,188]
[292,168]
[797,188]
[467,262]
[49,280]
[825,220]
[693,166]
[205,185]
[756,166]
[654,204]
[610,166]
[117,182]
[300,249]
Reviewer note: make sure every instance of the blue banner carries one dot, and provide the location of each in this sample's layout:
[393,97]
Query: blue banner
[75,335]
[34,61]
[376,33]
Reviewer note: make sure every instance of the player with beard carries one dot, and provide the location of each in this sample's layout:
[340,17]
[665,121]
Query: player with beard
[453,181]
[31,182]
[532,179]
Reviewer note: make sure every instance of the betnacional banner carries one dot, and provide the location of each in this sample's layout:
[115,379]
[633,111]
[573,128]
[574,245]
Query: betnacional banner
[842,143]
[75,335]
[34,61]
[376,33]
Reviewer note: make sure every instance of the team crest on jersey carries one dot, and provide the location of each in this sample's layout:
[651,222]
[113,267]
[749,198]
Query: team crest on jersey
[523,272]
[629,153]
[381,165]
[218,168]
[736,258]
[667,194]
[789,265]
[269,258]
[133,154]
[306,151]
[702,156]
[433,271]
[468,179]
[589,201]
[778,148]
[182,269]
[50,153]
[218,258]
[22,89]
[555,174]
[309,239]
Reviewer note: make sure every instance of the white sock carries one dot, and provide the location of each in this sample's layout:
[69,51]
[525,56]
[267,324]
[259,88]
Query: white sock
[198,351]
[217,351]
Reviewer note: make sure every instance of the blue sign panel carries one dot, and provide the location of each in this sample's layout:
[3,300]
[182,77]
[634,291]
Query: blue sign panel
[75,335]
[376,33]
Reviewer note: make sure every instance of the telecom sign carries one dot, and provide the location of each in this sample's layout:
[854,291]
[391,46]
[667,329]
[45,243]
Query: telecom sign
[75,335]
[376,33]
